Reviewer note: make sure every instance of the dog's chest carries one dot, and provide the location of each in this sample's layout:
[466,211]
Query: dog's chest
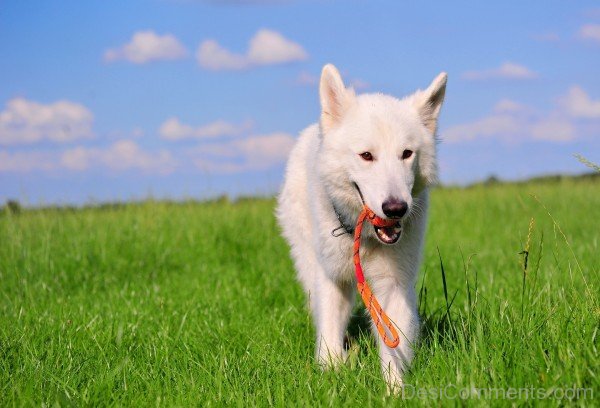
[337,256]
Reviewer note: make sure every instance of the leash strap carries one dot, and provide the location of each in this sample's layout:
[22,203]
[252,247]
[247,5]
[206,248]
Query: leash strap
[380,318]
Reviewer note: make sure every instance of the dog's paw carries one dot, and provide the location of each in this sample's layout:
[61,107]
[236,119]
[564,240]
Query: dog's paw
[394,383]
[394,389]
[328,360]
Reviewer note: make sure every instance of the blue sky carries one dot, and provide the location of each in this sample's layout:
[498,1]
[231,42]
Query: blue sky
[112,100]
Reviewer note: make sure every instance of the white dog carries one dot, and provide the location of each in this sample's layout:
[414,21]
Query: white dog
[380,151]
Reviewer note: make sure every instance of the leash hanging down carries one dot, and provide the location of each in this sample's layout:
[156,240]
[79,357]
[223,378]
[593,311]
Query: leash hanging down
[380,318]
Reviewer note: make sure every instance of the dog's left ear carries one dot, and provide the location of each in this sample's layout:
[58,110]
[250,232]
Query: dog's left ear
[429,101]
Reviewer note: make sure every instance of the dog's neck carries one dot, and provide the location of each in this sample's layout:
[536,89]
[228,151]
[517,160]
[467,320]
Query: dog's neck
[344,227]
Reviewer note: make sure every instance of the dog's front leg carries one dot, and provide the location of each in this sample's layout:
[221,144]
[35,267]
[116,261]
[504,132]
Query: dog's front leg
[400,305]
[333,303]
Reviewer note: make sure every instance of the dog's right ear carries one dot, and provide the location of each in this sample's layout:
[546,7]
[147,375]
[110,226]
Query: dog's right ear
[335,98]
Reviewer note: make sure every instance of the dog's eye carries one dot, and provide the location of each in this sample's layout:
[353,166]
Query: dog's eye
[367,156]
[406,154]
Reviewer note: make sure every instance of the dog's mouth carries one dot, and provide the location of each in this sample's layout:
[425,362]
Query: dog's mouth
[389,235]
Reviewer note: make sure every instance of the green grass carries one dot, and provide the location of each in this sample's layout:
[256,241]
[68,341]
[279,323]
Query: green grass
[196,304]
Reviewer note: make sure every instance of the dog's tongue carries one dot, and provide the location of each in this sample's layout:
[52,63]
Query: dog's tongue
[389,235]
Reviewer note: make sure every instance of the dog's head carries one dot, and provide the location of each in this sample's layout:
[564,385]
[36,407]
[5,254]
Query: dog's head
[378,149]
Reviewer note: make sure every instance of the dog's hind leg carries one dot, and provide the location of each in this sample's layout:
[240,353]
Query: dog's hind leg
[333,306]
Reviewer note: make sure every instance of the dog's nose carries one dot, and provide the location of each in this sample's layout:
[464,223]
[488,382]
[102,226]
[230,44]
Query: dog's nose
[394,208]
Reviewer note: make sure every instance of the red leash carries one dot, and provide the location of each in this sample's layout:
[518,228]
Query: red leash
[377,313]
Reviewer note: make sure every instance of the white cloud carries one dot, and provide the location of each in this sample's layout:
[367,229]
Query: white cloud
[26,122]
[555,129]
[306,78]
[121,155]
[578,104]
[590,32]
[507,106]
[495,125]
[359,84]
[267,47]
[252,153]
[507,70]
[211,55]
[147,46]
[23,162]
[77,158]
[174,129]
[514,122]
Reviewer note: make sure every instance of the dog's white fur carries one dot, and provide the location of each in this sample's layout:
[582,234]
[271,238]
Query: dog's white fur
[321,171]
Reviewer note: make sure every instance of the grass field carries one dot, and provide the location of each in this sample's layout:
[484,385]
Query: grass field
[196,304]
